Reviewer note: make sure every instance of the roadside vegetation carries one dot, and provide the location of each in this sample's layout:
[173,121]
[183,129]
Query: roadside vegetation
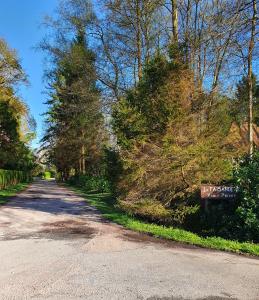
[147,100]
[147,106]
[12,177]
[10,191]
[12,182]
[17,126]
[107,205]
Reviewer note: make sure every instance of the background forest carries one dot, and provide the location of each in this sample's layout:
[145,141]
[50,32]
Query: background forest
[16,124]
[148,100]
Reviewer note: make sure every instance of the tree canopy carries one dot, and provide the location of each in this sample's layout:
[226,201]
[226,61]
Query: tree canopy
[16,124]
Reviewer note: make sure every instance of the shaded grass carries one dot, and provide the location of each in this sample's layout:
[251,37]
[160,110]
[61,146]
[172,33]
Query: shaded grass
[106,205]
[5,194]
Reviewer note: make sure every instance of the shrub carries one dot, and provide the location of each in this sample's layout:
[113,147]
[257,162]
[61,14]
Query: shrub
[91,183]
[238,220]
[170,139]
[246,218]
[218,220]
[154,211]
[147,209]
[113,167]
[47,175]
[186,216]
[13,177]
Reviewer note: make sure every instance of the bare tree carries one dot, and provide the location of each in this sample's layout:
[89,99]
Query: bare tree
[127,35]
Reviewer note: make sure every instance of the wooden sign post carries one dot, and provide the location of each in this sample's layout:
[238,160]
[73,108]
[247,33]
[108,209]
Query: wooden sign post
[214,192]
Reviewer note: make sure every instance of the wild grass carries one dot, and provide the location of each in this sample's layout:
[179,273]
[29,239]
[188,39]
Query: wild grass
[106,205]
[8,192]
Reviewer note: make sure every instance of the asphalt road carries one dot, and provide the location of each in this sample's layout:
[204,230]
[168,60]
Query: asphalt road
[55,246]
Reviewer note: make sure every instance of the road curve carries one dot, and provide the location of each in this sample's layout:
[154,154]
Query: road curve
[55,246]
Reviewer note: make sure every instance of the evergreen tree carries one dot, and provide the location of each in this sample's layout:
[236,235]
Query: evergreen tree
[16,130]
[171,138]
[75,133]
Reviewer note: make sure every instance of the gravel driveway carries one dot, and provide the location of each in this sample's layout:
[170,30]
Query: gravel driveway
[55,246]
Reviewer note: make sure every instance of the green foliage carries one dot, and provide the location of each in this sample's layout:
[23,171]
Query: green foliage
[173,136]
[16,125]
[10,178]
[147,209]
[186,216]
[11,71]
[246,177]
[75,133]
[154,211]
[218,220]
[238,219]
[147,109]
[127,124]
[47,175]
[112,167]
[91,183]
[10,191]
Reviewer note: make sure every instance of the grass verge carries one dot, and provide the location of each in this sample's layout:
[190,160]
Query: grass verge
[105,204]
[11,191]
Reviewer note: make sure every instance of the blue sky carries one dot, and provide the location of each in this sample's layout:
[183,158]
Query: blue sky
[20,26]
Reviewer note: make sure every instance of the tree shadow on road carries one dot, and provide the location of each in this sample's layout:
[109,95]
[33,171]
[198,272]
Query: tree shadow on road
[46,196]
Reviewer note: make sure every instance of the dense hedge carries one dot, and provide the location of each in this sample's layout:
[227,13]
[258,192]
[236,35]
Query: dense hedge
[97,184]
[12,177]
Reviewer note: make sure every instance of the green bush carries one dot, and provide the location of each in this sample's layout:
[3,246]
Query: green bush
[91,183]
[112,167]
[154,211]
[13,177]
[238,220]
[147,209]
[218,220]
[246,217]
[186,216]
[47,175]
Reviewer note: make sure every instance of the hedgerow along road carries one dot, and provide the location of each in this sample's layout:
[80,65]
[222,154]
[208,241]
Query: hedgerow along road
[53,245]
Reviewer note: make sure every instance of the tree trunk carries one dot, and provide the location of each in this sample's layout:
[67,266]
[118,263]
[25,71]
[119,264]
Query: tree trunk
[139,39]
[174,21]
[187,33]
[83,160]
[80,164]
[250,81]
